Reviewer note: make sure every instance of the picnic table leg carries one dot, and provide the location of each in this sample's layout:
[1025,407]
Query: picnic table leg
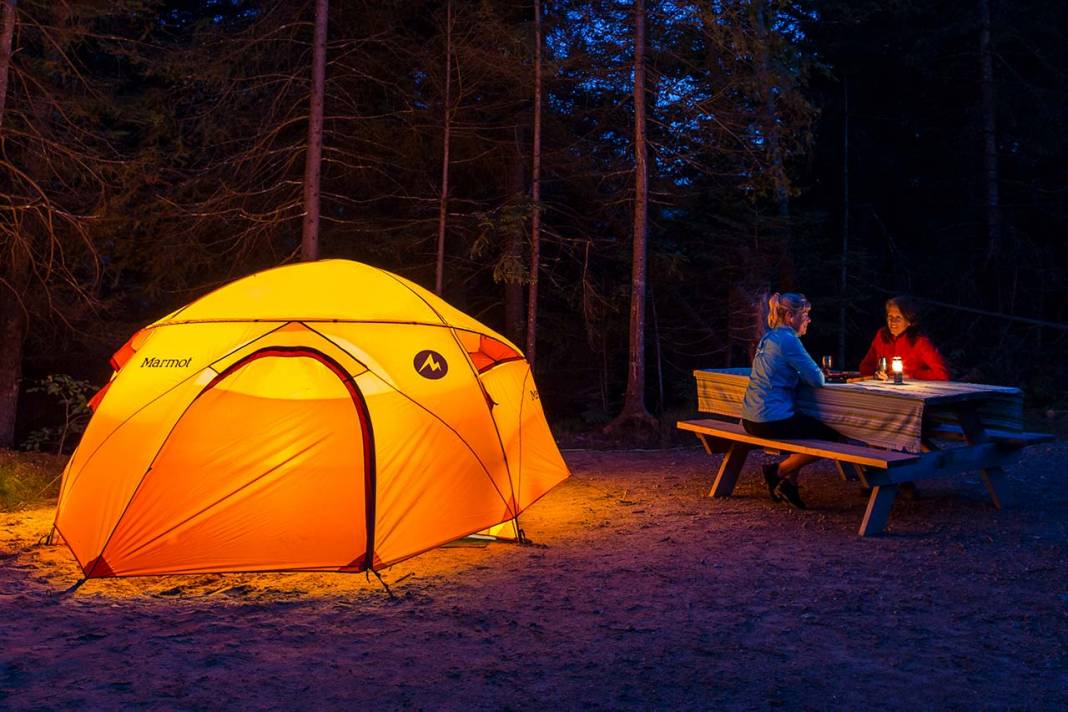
[858,474]
[879,503]
[729,469]
[975,433]
[994,479]
[704,442]
[850,472]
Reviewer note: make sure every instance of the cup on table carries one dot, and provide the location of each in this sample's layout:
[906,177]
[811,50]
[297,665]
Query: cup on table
[826,363]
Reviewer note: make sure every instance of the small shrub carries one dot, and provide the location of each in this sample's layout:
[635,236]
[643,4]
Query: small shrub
[73,396]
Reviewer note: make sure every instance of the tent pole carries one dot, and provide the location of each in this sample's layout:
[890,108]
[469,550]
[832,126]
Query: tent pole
[520,537]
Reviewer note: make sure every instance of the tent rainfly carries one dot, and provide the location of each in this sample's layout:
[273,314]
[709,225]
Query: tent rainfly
[322,416]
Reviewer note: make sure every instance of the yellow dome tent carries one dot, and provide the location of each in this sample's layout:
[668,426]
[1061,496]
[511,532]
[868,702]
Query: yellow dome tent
[322,416]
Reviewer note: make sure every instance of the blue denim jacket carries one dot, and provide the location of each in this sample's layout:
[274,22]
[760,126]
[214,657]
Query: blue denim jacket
[780,363]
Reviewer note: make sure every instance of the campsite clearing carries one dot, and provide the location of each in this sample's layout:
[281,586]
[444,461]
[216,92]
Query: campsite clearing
[640,592]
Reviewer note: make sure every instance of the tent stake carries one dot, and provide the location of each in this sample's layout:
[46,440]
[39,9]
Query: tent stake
[47,539]
[384,584]
[70,591]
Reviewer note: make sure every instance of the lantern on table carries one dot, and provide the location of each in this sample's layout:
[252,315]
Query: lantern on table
[899,370]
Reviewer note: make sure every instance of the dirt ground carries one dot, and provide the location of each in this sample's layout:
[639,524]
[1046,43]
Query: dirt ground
[638,593]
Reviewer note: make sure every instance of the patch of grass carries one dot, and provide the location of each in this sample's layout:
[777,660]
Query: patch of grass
[28,479]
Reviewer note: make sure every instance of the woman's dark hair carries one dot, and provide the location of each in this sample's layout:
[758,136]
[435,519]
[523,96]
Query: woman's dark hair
[909,309]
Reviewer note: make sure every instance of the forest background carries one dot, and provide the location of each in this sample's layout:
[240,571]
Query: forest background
[510,154]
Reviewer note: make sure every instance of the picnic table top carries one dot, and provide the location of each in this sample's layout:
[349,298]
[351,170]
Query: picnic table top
[879,413]
[931,392]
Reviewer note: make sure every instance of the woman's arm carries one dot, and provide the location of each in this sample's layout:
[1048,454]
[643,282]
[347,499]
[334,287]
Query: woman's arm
[931,366]
[799,359]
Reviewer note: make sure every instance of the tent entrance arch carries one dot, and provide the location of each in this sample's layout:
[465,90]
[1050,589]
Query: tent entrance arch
[270,467]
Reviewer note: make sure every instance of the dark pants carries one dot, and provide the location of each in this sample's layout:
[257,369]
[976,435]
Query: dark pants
[797,427]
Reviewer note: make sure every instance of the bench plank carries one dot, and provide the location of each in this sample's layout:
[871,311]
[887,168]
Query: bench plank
[857,454]
[883,470]
[1002,437]
[944,463]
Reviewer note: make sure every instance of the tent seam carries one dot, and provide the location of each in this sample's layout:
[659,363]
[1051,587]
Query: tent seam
[418,296]
[227,284]
[140,482]
[219,501]
[477,459]
[522,404]
[114,430]
[133,495]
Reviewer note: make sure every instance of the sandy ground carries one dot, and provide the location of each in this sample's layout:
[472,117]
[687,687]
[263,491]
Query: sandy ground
[639,593]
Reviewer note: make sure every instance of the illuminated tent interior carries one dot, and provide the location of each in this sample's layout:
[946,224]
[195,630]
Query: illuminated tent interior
[323,416]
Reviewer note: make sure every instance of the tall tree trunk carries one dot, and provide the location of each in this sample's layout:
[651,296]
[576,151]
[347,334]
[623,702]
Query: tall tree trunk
[15,274]
[16,278]
[535,196]
[990,142]
[309,243]
[7,34]
[513,284]
[439,270]
[659,357]
[634,408]
[844,273]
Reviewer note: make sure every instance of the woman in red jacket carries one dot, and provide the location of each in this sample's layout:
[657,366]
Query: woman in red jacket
[901,337]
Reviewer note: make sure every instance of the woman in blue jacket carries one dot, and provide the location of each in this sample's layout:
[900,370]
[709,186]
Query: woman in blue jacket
[769,408]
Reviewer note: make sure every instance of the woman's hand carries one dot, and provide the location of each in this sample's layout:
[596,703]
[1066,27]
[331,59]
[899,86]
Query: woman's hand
[881,375]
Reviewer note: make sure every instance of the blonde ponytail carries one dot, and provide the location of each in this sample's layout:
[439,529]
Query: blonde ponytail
[773,310]
[783,307]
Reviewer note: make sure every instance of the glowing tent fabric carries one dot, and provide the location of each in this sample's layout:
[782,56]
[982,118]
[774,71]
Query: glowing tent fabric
[324,416]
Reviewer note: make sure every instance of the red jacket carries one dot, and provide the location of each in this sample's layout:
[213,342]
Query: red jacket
[918,355]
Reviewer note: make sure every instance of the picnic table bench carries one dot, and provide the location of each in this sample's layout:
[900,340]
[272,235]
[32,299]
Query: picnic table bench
[910,441]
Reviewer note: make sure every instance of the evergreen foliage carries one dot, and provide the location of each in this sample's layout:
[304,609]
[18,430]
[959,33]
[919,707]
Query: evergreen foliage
[154,149]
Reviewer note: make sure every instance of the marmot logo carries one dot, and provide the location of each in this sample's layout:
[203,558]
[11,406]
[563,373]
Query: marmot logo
[150,362]
[430,364]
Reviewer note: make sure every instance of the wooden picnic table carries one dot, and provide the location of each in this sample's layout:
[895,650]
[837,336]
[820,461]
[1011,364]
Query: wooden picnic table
[911,431]
[875,412]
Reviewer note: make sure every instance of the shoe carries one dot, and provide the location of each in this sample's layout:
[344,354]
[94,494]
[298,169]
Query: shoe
[787,492]
[771,477]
